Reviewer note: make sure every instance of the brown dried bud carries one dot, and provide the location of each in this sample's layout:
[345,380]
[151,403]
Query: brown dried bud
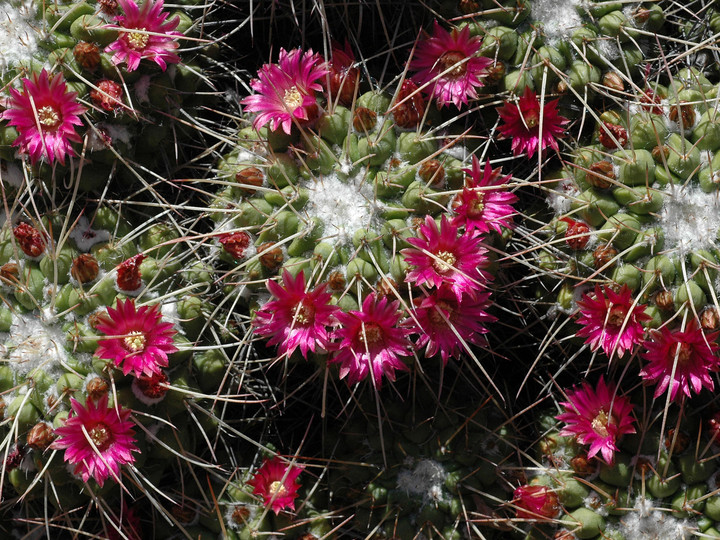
[336,281]
[40,436]
[9,273]
[682,441]
[564,535]
[364,119]
[600,174]
[271,257]
[659,151]
[548,445]
[641,15]
[184,513]
[682,113]
[561,87]
[467,7]
[604,256]
[416,223]
[51,402]
[582,465]
[84,268]
[32,242]
[432,172]
[14,457]
[709,319]
[651,102]
[409,111]
[109,7]
[240,514]
[154,386]
[249,178]
[664,300]
[97,388]
[609,133]
[87,55]
[386,287]
[613,81]
[495,73]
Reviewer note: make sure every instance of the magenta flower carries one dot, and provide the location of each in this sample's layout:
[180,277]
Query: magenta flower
[484,203]
[371,341]
[447,64]
[44,114]
[522,124]
[144,33]
[445,321]
[97,439]
[296,318]
[610,321]
[597,417]
[690,354]
[536,502]
[286,91]
[441,256]
[276,482]
[137,339]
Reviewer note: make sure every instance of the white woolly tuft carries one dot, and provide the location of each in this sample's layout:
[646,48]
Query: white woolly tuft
[33,344]
[558,17]
[344,206]
[426,480]
[690,218]
[646,523]
[18,40]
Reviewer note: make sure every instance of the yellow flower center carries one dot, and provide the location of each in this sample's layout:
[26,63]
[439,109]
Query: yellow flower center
[304,314]
[101,436]
[48,117]
[532,118]
[684,353]
[455,62]
[436,313]
[277,488]
[372,334]
[600,423]
[292,98]
[135,341]
[616,317]
[444,261]
[478,205]
[137,40]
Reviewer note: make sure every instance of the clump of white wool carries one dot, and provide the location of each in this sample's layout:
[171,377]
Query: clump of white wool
[690,218]
[425,480]
[18,39]
[557,17]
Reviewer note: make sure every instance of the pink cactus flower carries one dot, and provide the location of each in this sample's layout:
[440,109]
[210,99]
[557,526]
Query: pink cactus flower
[610,321]
[441,256]
[144,33]
[445,322]
[598,417]
[296,317]
[137,339]
[97,439]
[536,502]
[522,124]
[680,361]
[45,115]
[447,63]
[286,91]
[484,203]
[276,482]
[371,340]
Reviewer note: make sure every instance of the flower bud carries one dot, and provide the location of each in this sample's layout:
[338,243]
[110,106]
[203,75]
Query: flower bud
[249,178]
[364,119]
[408,111]
[96,388]
[85,268]
[682,113]
[108,95]
[610,133]
[9,273]
[87,55]
[270,255]
[128,274]
[235,243]
[432,172]
[31,241]
[601,174]
[613,81]
[41,435]
[535,502]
